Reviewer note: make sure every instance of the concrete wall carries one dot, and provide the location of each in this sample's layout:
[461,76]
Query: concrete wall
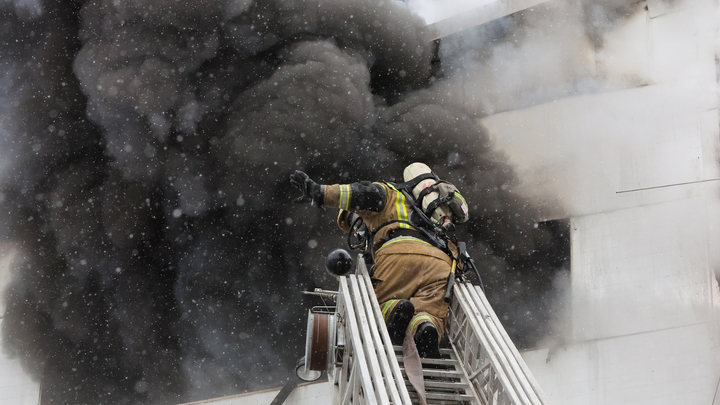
[644,300]
[668,366]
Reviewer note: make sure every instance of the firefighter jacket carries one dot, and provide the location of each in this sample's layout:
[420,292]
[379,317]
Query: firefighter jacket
[406,267]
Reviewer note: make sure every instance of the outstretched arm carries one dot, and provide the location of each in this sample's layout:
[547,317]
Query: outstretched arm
[362,195]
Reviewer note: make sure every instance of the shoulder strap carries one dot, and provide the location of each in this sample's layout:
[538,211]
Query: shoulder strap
[426,227]
[413,203]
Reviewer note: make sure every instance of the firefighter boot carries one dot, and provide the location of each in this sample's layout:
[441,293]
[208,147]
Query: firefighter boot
[426,340]
[398,320]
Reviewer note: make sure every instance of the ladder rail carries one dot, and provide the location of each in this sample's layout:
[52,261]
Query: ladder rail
[524,370]
[396,374]
[472,330]
[369,346]
[496,347]
[496,357]
[391,378]
[370,372]
[360,360]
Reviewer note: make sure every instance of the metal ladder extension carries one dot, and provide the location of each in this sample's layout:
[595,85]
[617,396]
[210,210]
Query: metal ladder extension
[445,380]
[488,357]
[481,366]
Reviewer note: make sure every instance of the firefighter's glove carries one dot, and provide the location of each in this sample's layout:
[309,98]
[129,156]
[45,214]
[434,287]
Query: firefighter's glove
[312,192]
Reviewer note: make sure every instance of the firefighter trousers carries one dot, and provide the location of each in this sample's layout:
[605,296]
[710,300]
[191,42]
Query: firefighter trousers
[420,278]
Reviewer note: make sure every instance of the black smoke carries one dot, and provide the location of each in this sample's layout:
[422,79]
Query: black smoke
[146,151]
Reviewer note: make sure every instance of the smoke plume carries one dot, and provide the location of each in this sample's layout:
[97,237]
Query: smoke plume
[146,151]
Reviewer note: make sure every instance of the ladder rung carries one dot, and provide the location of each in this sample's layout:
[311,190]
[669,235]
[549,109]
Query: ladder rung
[443,351]
[442,397]
[448,397]
[443,384]
[439,362]
[439,373]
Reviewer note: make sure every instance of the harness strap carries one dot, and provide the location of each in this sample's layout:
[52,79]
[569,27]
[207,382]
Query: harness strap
[410,184]
[426,191]
[432,206]
[418,233]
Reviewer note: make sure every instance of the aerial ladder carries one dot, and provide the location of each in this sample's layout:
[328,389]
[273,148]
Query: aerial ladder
[480,365]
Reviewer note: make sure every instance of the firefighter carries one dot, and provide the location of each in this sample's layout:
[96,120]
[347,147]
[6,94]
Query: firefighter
[412,263]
